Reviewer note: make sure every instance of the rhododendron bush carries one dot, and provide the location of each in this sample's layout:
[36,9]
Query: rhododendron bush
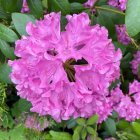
[70,70]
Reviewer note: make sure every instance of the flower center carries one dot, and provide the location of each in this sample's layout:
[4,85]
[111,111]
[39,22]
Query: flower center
[69,67]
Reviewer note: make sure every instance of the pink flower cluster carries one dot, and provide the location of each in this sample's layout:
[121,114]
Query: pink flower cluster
[25,8]
[120,4]
[127,106]
[121,29]
[66,73]
[90,3]
[135,63]
[122,34]
[33,122]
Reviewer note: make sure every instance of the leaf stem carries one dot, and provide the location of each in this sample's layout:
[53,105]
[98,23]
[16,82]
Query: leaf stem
[111,10]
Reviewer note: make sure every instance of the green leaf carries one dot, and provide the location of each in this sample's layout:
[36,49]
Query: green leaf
[92,137]
[106,21]
[35,7]
[63,23]
[60,5]
[14,134]
[20,106]
[45,3]
[115,15]
[7,50]
[7,34]
[76,136]
[76,7]
[81,121]
[110,126]
[10,6]
[78,129]
[84,134]
[2,57]
[90,130]
[92,120]
[71,123]
[136,127]
[80,1]
[60,135]
[132,18]
[121,46]
[122,124]
[7,120]
[20,21]
[5,71]
[3,14]
[139,70]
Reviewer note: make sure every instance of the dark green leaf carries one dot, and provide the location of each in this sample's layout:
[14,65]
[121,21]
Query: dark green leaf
[106,21]
[5,71]
[139,69]
[60,5]
[122,124]
[121,46]
[132,18]
[71,123]
[92,120]
[35,7]
[76,7]
[7,50]
[116,16]
[20,21]
[20,106]
[2,57]
[110,126]
[7,34]
[8,121]
[10,6]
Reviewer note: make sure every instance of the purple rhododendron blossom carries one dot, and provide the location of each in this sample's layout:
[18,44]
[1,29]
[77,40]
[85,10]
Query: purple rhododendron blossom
[135,63]
[120,4]
[25,8]
[66,73]
[128,105]
[32,122]
[122,34]
[90,3]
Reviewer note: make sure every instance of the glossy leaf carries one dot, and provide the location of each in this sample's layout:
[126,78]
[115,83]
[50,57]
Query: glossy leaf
[35,7]
[5,71]
[7,50]
[7,34]
[60,5]
[76,7]
[110,126]
[132,18]
[20,21]
[92,120]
